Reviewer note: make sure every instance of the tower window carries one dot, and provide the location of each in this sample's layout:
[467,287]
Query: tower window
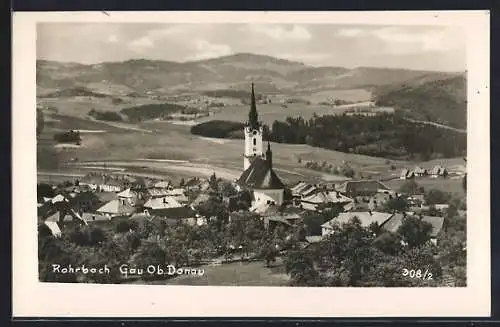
[254,141]
[254,132]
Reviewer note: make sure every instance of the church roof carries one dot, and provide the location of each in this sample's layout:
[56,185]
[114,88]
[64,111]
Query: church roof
[260,175]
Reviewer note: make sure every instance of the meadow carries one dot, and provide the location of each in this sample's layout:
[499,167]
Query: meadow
[268,113]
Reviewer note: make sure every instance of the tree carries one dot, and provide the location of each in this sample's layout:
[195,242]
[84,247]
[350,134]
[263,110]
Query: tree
[213,181]
[414,231]
[409,187]
[300,266]
[398,204]
[389,243]
[269,254]
[436,197]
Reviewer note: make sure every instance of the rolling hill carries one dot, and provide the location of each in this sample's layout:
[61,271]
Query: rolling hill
[439,100]
[229,72]
[425,95]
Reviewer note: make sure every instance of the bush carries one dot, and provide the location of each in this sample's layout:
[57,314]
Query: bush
[105,115]
[152,111]
[217,128]
[68,137]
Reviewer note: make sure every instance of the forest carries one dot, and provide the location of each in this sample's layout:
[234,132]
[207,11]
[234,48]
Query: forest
[151,111]
[385,135]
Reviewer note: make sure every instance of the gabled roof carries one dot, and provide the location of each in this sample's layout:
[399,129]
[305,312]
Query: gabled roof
[396,221]
[174,213]
[163,184]
[299,187]
[419,170]
[366,218]
[263,204]
[90,217]
[260,175]
[129,194]
[54,228]
[362,185]
[327,197]
[59,198]
[162,203]
[117,207]
[438,170]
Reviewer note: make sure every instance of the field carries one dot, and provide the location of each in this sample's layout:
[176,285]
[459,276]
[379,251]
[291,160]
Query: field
[126,146]
[351,95]
[268,113]
[449,185]
[235,274]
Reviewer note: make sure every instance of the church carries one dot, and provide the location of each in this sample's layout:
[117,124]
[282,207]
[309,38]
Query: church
[258,175]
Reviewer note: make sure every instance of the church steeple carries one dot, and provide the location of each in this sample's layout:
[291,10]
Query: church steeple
[269,155]
[253,117]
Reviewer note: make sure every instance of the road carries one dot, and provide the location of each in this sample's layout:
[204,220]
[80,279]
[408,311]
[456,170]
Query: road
[463,131]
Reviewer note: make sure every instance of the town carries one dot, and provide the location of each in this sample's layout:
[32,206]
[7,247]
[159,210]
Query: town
[358,232]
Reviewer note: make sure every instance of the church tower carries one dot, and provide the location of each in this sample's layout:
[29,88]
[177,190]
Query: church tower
[253,135]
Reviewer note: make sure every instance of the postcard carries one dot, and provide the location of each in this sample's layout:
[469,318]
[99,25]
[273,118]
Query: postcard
[201,164]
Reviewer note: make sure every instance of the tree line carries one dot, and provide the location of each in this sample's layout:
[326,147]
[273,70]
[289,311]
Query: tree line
[385,135]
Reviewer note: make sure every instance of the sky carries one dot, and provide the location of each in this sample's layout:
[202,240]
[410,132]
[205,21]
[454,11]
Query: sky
[440,48]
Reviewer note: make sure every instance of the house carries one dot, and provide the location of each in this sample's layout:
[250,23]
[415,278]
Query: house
[303,189]
[438,171]
[379,200]
[117,208]
[85,201]
[183,214]
[131,197]
[196,184]
[58,209]
[178,194]
[406,174]
[287,216]
[419,171]
[393,224]
[416,201]
[365,217]
[317,200]
[54,228]
[162,203]
[262,180]
[103,182]
[169,208]
[163,185]
[363,188]
[262,204]
[258,174]
[95,217]
[156,192]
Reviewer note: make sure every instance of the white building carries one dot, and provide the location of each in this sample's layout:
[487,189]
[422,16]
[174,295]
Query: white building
[253,135]
[258,175]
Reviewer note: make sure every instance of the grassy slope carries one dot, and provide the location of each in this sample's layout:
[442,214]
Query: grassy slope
[442,101]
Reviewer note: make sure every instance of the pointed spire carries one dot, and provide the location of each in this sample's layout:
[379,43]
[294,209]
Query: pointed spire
[252,115]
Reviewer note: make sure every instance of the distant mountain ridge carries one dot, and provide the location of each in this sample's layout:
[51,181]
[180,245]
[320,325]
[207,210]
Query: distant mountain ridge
[271,75]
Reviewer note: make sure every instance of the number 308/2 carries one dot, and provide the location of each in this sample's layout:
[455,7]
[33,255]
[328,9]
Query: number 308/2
[417,273]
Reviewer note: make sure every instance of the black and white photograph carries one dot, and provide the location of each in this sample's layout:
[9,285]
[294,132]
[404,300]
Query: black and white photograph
[258,154]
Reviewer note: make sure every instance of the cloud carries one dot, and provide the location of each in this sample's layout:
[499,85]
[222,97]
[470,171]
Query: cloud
[314,44]
[279,32]
[206,50]
[143,42]
[112,38]
[400,40]
[350,32]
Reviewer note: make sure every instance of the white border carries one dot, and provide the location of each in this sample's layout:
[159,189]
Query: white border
[31,298]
